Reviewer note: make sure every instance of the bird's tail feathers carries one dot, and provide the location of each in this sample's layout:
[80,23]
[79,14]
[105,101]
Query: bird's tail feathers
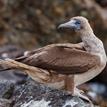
[5,69]
[30,70]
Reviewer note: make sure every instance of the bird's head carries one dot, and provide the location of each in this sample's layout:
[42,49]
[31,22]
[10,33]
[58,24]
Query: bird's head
[78,24]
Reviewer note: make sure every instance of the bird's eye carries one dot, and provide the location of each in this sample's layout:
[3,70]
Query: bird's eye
[77,22]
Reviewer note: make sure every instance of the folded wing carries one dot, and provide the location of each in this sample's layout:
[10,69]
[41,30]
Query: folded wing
[62,60]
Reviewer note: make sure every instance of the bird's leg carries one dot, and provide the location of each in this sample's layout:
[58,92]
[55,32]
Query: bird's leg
[71,89]
[69,83]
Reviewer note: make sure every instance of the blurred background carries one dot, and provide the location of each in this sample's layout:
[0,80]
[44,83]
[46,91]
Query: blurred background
[29,24]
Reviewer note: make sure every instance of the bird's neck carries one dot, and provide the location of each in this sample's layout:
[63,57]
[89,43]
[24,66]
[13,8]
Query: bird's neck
[94,45]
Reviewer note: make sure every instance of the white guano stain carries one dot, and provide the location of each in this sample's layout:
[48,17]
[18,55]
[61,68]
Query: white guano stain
[33,103]
[72,103]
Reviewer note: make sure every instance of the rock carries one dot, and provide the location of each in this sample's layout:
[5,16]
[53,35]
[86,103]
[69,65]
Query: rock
[12,76]
[10,51]
[33,94]
[5,103]
[6,89]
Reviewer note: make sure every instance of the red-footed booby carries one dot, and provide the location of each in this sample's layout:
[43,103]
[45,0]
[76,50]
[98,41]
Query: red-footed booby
[79,62]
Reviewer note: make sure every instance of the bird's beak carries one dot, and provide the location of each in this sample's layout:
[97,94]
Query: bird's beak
[69,25]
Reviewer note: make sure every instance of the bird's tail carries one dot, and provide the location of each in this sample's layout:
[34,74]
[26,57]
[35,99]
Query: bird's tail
[6,65]
[5,69]
[33,72]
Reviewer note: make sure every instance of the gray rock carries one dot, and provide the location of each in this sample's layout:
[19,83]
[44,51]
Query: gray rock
[5,103]
[6,89]
[33,94]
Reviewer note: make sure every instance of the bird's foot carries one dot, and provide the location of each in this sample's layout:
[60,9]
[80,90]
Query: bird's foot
[81,95]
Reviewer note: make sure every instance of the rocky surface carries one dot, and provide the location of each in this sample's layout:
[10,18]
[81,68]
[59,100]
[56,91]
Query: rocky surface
[6,91]
[5,103]
[12,76]
[32,94]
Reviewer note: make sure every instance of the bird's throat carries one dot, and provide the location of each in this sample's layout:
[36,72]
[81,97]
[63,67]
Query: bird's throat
[91,43]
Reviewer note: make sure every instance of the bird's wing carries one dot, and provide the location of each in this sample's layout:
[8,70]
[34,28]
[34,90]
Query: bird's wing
[62,60]
[79,46]
[64,45]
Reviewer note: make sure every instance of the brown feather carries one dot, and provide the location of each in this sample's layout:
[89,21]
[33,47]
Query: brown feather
[62,60]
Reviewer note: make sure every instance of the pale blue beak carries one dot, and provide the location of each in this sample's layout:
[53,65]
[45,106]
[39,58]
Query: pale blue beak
[73,24]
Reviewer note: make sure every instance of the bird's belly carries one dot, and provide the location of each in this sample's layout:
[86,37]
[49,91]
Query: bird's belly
[93,72]
[90,74]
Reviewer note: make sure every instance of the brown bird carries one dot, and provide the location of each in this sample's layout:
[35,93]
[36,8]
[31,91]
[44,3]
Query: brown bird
[76,63]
